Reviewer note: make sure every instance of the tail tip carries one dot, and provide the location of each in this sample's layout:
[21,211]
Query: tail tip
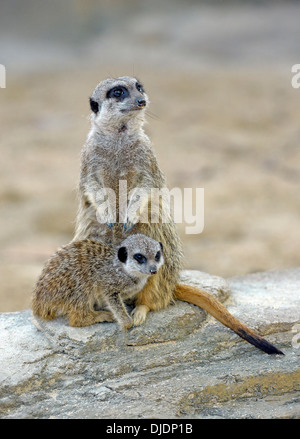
[260,343]
[271,349]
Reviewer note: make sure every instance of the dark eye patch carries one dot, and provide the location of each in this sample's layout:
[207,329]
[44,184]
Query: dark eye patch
[94,106]
[139,87]
[122,254]
[140,258]
[157,256]
[118,92]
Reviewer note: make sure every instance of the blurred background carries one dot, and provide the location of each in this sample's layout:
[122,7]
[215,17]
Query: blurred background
[224,117]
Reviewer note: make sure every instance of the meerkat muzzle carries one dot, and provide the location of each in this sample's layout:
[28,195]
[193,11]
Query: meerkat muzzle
[141,103]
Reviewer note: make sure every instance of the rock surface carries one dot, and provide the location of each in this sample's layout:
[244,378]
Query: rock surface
[179,364]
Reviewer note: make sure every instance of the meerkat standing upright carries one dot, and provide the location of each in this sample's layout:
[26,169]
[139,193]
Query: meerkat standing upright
[117,148]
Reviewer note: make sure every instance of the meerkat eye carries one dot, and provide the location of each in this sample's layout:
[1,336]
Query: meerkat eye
[140,258]
[118,92]
[157,256]
[139,87]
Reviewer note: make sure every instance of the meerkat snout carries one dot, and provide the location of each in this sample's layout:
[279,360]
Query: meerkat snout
[141,102]
[153,270]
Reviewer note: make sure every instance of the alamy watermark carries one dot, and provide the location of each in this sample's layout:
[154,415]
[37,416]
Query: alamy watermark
[151,205]
[296,337]
[2,76]
[296,78]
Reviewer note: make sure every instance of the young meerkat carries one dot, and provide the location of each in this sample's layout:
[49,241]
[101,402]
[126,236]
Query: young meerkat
[84,277]
[117,149]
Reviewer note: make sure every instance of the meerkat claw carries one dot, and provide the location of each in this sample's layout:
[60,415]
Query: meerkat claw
[127,325]
[139,314]
[128,227]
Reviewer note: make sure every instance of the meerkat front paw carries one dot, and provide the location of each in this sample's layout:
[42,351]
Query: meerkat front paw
[128,226]
[139,314]
[136,209]
[105,217]
[128,324]
[131,220]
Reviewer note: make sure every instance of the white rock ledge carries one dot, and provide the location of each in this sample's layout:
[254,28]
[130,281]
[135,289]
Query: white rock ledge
[179,364]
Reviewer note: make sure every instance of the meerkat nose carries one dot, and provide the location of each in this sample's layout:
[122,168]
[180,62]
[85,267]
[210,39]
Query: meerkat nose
[141,102]
[153,270]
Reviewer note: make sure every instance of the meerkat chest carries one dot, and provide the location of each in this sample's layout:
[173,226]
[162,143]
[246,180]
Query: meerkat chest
[133,288]
[121,166]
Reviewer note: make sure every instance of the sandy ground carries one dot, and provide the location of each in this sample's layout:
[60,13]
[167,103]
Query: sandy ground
[232,131]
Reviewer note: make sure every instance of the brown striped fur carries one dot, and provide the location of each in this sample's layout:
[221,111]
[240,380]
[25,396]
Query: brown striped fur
[85,277]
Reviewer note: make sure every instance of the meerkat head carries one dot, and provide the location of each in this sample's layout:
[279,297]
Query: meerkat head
[116,102]
[140,255]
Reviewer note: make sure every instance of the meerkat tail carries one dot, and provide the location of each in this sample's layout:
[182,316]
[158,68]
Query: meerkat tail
[206,301]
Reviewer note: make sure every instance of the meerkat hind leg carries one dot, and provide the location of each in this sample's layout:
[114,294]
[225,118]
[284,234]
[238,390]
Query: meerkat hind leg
[79,319]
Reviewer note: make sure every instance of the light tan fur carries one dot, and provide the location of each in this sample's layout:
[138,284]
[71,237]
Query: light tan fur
[117,148]
[85,277]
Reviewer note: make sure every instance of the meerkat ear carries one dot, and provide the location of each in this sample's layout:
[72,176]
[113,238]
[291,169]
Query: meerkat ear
[162,247]
[94,106]
[122,254]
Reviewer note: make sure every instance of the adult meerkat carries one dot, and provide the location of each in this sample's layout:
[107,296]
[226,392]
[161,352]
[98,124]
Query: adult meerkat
[117,148]
[86,276]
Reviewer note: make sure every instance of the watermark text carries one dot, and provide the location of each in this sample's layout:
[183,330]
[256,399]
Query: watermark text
[2,76]
[296,78]
[151,205]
